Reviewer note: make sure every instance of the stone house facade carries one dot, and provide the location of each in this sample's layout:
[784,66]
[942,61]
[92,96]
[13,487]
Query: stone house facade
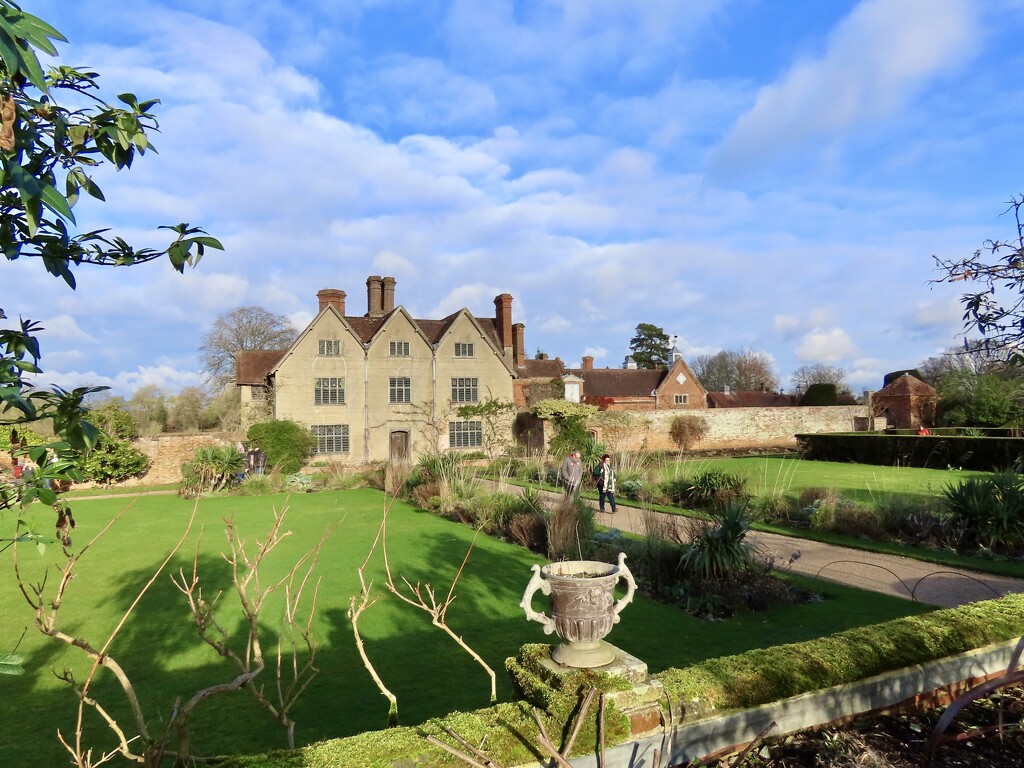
[384,385]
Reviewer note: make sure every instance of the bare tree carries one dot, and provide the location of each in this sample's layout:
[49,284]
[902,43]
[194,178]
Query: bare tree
[996,307]
[243,328]
[973,357]
[819,373]
[743,369]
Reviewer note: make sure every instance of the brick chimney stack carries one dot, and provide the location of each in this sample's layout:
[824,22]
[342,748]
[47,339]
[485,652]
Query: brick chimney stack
[518,345]
[332,297]
[588,362]
[374,296]
[388,299]
[503,319]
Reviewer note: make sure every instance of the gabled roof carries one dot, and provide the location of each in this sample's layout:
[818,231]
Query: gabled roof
[750,399]
[253,365]
[619,382]
[907,385]
[543,369]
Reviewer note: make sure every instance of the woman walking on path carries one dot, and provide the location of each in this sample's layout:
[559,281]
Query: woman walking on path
[605,483]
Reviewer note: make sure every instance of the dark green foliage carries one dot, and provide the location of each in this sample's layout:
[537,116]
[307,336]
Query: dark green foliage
[649,346]
[720,551]
[213,468]
[820,394]
[286,444]
[114,459]
[980,400]
[910,450]
[987,512]
[706,489]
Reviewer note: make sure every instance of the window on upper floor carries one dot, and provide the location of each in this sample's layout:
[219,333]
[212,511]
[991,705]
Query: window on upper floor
[400,389]
[330,438]
[329,391]
[682,399]
[463,349]
[259,394]
[465,434]
[329,347]
[399,349]
[465,390]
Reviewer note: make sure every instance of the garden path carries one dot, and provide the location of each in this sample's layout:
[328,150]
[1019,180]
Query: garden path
[892,575]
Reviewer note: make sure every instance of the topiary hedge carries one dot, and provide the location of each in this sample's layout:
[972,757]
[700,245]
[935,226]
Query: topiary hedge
[934,451]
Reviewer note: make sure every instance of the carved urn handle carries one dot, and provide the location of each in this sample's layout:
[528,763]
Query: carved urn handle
[537,582]
[625,573]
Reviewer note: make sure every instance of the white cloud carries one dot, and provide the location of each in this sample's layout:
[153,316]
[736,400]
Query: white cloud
[826,345]
[876,60]
[63,328]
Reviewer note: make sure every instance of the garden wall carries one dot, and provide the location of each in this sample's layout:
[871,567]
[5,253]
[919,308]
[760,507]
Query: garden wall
[167,452]
[745,427]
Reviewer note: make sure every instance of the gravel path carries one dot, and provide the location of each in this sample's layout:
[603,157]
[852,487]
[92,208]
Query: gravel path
[889,574]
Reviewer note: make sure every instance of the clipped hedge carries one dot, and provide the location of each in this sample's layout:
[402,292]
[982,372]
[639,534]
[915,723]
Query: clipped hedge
[932,451]
[745,680]
[770,674]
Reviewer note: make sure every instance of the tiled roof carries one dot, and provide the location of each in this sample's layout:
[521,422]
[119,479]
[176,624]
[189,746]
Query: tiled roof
[253,365]
[749,399]
[907,385]
[619,382]
[543,369]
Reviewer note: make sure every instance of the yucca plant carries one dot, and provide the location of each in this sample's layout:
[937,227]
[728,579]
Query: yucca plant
[721,551]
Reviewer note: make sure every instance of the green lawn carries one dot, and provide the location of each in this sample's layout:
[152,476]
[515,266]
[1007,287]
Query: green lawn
[430,675]
[862,482]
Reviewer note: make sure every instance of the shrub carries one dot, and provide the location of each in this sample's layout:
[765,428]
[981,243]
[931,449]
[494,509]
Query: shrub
[260,485]
[846,516]
[773,508]
[688,429]
[213,468]
[298,483]
[721,551]
[986,512]
[287,444]
[114,459]
[714,487]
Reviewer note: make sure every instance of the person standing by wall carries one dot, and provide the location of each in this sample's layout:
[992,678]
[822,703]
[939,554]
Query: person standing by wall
[572,474]
[605,483]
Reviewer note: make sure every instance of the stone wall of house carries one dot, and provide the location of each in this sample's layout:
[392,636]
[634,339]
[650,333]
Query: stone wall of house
[739,427]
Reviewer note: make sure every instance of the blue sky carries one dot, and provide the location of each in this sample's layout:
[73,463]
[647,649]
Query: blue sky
[744,174]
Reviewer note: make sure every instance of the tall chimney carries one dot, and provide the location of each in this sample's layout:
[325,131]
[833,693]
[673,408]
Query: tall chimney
[374,304]
[503,319]
[332,297]
[518,342]
[388,300]
[588,362]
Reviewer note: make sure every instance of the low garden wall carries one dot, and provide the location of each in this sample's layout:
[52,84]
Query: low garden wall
[166,454]
[717,704]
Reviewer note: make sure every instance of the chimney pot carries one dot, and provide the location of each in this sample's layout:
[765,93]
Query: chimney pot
[374,296]
[331,297]
[588,362]
[503,321]
[388,297]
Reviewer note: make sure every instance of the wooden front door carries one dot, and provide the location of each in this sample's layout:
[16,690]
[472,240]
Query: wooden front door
[399,447]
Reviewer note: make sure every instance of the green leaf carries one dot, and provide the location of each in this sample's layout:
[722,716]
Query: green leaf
[56,202]
[11,664]
[47,496]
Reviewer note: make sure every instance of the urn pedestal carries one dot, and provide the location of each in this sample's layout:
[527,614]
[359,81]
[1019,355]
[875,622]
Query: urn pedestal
[583,607]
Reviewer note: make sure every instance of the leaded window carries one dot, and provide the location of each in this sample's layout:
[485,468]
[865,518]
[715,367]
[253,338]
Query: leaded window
[329,391]
[400,389]
[464,390]
[465,434]
[331,438]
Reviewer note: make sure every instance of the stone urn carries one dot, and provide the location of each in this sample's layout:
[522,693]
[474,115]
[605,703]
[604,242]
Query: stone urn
[583,607]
